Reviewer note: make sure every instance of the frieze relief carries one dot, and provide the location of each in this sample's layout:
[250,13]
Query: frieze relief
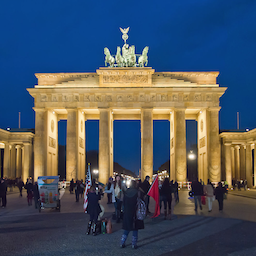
[44,98]
[86,97]
[164,97]
[52,142]
[142,79]
[186,97]
[108,98]
[65,98]
[141,97]
[76,98]
[197,97]
[202,142]
[208,97]
[81,142]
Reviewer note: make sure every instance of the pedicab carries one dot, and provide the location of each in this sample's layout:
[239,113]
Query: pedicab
[49,193]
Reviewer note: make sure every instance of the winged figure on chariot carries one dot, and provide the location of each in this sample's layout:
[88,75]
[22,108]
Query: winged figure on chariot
[128,57]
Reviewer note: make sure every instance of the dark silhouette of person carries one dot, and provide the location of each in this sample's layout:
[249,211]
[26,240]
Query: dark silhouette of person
[219,194]
[3,191]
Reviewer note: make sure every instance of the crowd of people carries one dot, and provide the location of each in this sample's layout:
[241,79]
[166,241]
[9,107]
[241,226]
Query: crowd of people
[30,186]
[199,190]
[125,200]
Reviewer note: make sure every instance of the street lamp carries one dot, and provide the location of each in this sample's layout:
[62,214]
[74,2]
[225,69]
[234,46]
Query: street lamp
[96,173]
[191,155]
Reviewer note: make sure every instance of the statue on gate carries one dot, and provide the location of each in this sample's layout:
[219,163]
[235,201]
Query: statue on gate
[128,57]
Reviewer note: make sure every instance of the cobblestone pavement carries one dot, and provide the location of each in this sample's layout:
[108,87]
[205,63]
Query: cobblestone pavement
[25,231]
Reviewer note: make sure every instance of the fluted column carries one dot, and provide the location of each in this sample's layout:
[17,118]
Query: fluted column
[146,143]
[233,162]
[228,163]
[180,145]
[249,165]
[237,162]
[18,161]
[72,145]
[13,161]
[7,161]
[104,145]
[40,139]
[213,145]
[27,161]
[242,162]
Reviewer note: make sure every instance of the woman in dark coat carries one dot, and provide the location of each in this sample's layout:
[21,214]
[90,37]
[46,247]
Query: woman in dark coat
[130,223]
[165,195]
[93,209]
[219,194]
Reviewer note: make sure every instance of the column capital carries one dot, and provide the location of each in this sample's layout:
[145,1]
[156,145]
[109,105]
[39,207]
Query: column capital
[39,109]
[71,109]
[214,109]
[237,146]
[227,144]
[18,146]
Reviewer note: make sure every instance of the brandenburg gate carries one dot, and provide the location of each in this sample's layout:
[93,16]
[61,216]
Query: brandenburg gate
[126,90]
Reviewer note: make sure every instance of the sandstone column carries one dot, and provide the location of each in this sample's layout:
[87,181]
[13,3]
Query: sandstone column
[228,169]
[237,162]
[213,145]
[27,161]
[13,161]
[40,139]
[7,160]
[180,145]
[72,145]
[249,165]
[233,162]
[18,162]
[104,145]
[242,162]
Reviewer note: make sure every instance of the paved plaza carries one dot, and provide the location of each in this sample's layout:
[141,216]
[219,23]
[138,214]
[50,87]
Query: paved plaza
[25,231]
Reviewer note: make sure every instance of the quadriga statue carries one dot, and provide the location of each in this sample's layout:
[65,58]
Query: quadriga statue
[109,58]
[143,59]
[119,58]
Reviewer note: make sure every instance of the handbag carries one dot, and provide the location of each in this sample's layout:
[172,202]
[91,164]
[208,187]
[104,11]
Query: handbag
[203,200]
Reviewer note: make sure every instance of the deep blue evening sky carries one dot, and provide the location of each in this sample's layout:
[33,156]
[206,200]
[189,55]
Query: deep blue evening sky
[69,36]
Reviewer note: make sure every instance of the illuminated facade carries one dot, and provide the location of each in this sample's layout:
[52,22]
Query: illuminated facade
[238,156]
[132,93]
[18,154]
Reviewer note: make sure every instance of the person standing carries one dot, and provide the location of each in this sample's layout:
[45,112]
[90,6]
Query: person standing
[71,187]
[219,194]
[20,185]
[77,190]
[130,222]
[117,189]
[176,193]
[29,188]
[36,195]
[197,190]
[209,192]
[3,191]
[110,181]
[145,187]
[93,209]
[165,193]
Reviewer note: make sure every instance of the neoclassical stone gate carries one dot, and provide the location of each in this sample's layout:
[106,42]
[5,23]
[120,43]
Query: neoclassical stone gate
[126,93]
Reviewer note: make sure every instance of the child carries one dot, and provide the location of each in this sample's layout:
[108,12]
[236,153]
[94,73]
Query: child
[93,209]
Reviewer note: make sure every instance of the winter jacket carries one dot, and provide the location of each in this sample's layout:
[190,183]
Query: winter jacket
[197,188]
[112,190]
[130,205]
[93,203]
[208,190]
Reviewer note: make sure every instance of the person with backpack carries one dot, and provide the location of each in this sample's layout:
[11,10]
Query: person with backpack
[134,212]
